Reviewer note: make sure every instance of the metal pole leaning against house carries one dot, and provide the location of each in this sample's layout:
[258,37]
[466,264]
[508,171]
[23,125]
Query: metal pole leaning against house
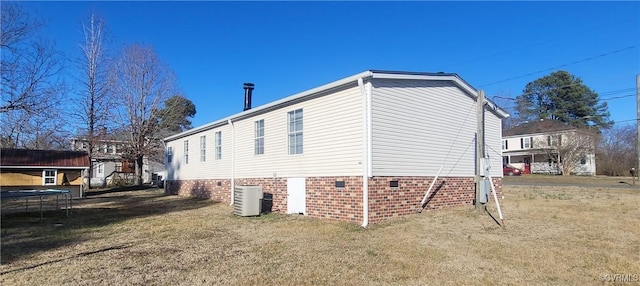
[479,146]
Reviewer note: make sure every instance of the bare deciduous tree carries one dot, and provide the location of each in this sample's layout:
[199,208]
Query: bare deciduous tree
[32,77]
[507,103]
[616,153]
[31,68]
[142,83]
[94,101]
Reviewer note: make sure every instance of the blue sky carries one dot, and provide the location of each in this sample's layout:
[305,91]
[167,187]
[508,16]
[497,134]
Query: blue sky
[289,47]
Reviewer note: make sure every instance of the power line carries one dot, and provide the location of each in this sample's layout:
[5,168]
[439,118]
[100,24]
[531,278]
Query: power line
[627,120]
[604,99]
[617,91]
[564,65]
[502,52]
[618,97]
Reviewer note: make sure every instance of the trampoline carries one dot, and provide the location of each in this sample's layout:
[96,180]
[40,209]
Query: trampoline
[39,196]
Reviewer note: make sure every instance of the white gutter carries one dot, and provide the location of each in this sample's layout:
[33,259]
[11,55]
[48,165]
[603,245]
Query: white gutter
[365,155]
[233,160]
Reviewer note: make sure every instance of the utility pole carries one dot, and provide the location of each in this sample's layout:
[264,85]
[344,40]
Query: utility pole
[479,147]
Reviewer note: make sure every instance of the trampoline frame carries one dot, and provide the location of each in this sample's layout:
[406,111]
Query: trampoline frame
[40,194]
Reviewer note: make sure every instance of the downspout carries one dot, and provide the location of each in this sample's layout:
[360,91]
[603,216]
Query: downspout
[166,168]
[233,160]
[365,154]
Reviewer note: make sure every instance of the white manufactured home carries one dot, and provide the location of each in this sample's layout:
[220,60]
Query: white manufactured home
[361,149]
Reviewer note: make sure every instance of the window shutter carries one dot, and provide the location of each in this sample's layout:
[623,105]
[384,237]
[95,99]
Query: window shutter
[521,143]
[506,144]
[531,142]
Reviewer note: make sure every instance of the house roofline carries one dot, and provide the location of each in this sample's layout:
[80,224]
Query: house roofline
[539,133]
[42,167]
[471,91]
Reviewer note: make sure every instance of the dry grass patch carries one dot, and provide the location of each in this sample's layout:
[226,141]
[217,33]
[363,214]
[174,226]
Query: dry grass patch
[553,235]
[586,181]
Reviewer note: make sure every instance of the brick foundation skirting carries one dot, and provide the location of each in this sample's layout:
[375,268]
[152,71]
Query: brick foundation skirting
[215,189]
[386,201]
[325,198]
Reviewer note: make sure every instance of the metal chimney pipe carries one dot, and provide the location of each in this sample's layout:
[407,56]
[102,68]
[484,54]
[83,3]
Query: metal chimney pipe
[248,90]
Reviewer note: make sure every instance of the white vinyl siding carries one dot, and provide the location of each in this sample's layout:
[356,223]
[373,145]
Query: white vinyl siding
[332,139]
[219,145]
[203,148]
[419,126]
[259,137]
[209,169]
[295,131]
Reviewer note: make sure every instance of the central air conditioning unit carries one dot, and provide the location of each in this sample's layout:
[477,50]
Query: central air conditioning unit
[247,200]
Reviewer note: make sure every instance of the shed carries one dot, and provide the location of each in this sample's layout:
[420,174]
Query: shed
[43,169]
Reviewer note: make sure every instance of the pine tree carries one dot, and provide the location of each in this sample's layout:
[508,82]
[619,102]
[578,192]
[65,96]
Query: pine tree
[563,97]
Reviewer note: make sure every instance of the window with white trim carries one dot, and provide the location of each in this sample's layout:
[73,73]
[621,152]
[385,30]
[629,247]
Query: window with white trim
[259,137]
[49,177]
[203,148]
[295,131]
[169,154]
[186,151]
[218,145]
[526,143]
[100,169]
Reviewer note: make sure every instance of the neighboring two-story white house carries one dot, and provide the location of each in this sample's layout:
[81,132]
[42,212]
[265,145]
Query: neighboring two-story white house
[359,149]
[109,166]
[549,147]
